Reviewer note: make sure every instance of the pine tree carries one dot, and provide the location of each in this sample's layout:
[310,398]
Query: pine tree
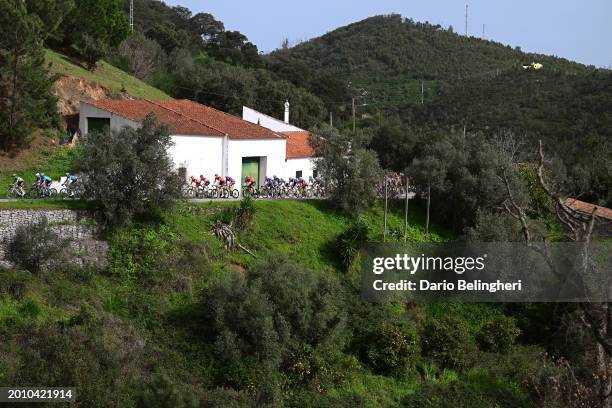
[26,97]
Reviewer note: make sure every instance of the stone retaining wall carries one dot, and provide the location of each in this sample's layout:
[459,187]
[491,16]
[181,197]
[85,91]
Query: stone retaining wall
[78,226]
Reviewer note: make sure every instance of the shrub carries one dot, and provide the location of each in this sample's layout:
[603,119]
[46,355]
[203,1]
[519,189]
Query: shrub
[350,241]
[36,247]
[391,347]
[245,213]
[349,168]
[448,342]
[272,313]
[498,336]
[94,352]
[138,176]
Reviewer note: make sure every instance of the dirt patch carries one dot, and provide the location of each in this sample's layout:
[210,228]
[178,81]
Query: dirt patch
[40,146]
[72,90]
[237,268]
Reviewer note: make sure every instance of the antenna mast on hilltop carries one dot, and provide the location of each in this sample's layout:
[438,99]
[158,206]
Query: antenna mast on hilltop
[466,19]
[132,15]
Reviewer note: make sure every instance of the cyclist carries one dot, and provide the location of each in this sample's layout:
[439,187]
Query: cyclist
[70,183]
[230,182]
[19,184]
[46,180]
[250,181]
[39,179]
[219,181]
[70,180]
[203,181]
[301,182]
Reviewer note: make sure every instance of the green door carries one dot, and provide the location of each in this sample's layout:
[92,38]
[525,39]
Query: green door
[98,124]
[250,167]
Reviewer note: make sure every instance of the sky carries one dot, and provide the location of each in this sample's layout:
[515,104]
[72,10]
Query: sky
[580,30]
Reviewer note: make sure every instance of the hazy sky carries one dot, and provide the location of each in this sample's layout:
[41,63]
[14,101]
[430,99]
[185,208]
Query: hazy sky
[574,29]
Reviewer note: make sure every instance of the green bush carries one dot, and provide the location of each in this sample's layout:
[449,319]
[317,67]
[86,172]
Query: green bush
[94,352]
[139,177]
[498,336]
[241,218]
[350,241]
[36,247]
[448,341]
[270,314]
[245,213]
[391,347]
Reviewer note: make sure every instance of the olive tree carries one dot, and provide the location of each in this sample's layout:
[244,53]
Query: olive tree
[129,172]
[349,169]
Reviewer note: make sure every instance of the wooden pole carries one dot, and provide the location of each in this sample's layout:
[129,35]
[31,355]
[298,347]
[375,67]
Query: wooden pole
[353,103]
[406,210]
[385,226]
[428,202]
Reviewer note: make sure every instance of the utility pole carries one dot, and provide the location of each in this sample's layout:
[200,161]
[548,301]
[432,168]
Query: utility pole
[353,115]
[466,20]
[422,92]
[386,195]
[483,31]
[331,119]
[132,15]
[406,209]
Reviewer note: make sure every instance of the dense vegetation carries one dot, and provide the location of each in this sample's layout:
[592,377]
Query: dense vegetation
[159,326]
[469,83]
[177,319]
[193,56]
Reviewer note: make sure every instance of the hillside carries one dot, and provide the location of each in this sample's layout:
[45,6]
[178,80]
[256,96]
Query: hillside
[143,317]
[108,76]
[389,55]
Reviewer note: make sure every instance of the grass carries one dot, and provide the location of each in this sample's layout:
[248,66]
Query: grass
[54,161]
[304,231]
[106,75]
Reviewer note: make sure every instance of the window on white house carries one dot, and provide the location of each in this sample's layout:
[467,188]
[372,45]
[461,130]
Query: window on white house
[314,173]
[298,174]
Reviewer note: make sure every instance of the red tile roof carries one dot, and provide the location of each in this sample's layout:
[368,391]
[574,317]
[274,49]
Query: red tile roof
[187,118]
[298,145]
[587,208]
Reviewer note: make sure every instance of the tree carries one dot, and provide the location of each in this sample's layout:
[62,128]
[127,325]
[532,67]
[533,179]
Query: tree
[350,171]
[93,26]
[51,13]
[129,172]
[143,55]
[26,95]
[208,27]
[578,227]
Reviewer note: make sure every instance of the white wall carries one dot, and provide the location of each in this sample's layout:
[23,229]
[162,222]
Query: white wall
[272,149]
[305,164]
[89,111]
[198,154]
[269,122]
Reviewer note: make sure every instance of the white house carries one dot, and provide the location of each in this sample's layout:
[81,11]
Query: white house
[300,159]
[208,141]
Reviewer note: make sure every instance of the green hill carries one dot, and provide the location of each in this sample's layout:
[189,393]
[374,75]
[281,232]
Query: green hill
[390,55]
[105,74]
